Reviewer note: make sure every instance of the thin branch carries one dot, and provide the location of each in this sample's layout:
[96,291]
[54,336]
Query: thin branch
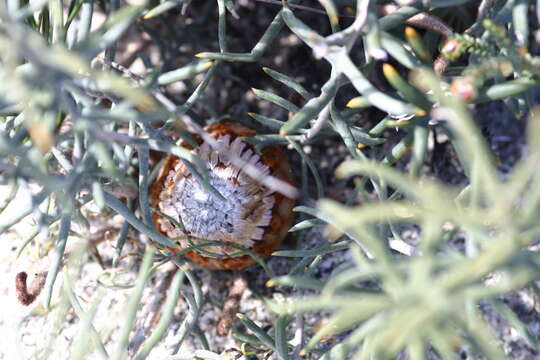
[422,20]
[231,304]
[27,294]
[305,8]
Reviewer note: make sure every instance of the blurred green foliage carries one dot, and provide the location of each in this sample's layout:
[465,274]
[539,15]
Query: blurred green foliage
[74,124]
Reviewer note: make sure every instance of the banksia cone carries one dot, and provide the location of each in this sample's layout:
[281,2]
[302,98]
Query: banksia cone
[252,217]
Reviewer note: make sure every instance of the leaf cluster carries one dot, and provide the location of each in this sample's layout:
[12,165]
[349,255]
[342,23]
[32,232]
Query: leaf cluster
[78,129]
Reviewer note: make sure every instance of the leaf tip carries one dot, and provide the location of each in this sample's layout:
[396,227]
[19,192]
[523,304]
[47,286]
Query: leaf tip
[389,70]
[410,32]
[358,102]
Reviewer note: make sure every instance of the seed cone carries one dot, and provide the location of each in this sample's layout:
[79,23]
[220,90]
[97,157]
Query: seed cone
[252,217]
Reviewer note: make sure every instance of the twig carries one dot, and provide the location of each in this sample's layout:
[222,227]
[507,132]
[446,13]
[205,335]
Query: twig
[306,8]
[319,124]
[28,294]
[483,9]
[440,64]
[232,304]
[423,20]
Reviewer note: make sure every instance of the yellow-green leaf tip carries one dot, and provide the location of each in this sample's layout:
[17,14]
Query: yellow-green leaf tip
[389,70]
[356,102]
[410,32]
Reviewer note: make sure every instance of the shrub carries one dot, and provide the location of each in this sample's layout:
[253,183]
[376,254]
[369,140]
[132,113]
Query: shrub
[80,131]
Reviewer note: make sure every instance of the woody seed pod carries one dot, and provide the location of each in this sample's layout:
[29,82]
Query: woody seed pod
[251,217]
